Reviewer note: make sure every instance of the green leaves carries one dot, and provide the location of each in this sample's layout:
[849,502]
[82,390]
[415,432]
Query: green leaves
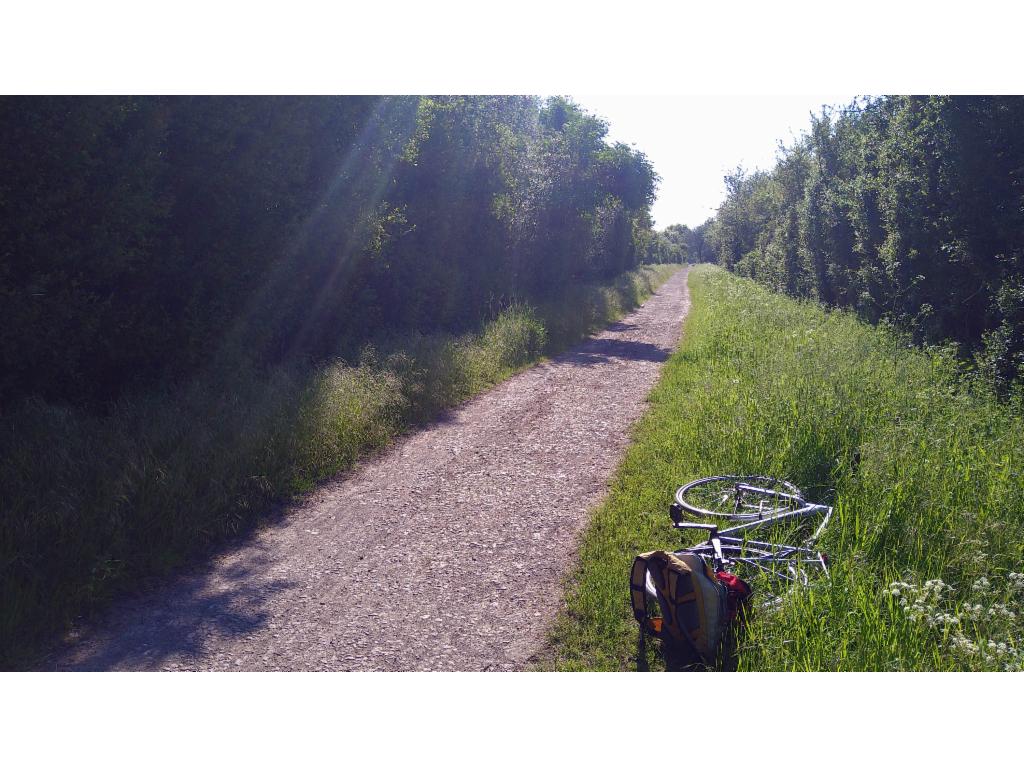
[146,238]
[906,208]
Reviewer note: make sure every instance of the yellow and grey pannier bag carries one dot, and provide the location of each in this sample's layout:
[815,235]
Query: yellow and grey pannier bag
[692,601]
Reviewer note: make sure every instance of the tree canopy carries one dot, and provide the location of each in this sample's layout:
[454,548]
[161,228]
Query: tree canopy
[907,208]
[143,236]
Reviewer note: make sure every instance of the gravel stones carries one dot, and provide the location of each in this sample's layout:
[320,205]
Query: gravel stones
[445,552]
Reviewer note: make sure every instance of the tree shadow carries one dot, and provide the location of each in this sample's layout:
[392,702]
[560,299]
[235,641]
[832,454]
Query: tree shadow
[601,351]
[176,616]
[179,620]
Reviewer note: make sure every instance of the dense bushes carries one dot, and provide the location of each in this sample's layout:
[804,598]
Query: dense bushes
[146,238]
[906,208]
[678,244]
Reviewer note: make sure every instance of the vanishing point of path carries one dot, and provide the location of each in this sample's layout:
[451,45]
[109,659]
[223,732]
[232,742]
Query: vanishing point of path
[446,552]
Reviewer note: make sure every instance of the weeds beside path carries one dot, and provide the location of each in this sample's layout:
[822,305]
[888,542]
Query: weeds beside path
[443,552]
[91,504]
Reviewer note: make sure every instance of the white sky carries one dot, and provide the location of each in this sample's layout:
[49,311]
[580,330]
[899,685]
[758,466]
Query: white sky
[693,141]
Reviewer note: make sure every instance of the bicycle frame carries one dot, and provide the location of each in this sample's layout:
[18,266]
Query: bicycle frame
[724,548]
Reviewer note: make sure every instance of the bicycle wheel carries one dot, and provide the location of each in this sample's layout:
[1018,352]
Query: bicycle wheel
[725,497]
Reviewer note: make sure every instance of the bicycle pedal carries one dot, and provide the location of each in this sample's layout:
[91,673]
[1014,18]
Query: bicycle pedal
[675,511]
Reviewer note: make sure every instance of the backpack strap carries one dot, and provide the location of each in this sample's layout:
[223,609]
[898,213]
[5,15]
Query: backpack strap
[667,573]
[638,588]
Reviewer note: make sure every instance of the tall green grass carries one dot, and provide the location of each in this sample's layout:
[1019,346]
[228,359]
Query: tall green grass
[922,463]
[91,504]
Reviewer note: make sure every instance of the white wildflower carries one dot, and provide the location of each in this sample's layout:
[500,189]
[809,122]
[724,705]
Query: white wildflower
[996,650]
[1000,610]
[973,611]
[940,619]
[897,588]
[962,644]
[1017,582]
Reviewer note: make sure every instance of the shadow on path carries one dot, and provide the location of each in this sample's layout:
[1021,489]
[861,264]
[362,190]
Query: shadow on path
[181,623]
[602,350]
[260,602]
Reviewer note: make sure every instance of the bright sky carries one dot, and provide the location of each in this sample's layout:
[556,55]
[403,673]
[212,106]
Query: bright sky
[693,141]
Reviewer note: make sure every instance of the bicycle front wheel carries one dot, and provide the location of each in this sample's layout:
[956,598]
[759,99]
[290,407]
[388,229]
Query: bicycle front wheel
[738,497]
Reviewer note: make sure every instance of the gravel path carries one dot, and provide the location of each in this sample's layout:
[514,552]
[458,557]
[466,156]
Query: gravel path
[445,552]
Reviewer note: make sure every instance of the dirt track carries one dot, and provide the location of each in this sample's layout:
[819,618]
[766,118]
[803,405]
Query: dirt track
[445,552]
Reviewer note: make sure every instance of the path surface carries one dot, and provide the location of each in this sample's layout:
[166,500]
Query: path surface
[445,552]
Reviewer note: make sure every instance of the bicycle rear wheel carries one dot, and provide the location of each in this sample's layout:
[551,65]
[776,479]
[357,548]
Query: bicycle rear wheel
[725,497]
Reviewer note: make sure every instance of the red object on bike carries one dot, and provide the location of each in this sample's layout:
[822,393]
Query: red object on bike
[739,591]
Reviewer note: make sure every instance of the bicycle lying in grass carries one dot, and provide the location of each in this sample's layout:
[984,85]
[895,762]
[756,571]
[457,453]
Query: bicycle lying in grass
[700,590]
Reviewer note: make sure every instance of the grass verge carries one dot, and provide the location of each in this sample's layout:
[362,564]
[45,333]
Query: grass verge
[91,504]
[921,461]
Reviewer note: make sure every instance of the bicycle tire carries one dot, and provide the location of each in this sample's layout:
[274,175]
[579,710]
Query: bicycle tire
[695,496]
